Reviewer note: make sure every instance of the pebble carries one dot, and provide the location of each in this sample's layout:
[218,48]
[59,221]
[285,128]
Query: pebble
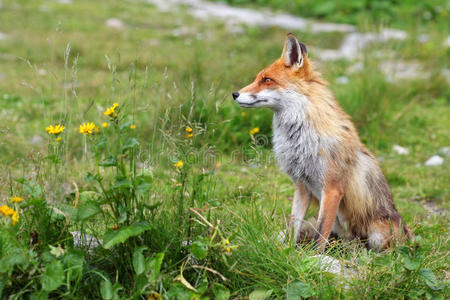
[435,160]
[445,151]
[115,23]
[401,150]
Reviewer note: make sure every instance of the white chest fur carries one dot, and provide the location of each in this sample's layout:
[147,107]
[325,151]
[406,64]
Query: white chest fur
[297,145]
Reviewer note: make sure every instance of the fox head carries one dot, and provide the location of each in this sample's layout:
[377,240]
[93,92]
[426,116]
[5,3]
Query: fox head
[279,85]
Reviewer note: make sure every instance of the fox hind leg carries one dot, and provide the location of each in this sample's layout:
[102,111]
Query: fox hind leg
[300,204]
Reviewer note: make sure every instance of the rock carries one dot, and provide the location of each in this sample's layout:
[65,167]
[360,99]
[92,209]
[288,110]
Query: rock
[3,36]
[444,151]
[356,67]
[37,140]
[435,160]
[401,70]
[85,240]
[342,80]
[115,24]
[400,150]
[423,38]
[333,266]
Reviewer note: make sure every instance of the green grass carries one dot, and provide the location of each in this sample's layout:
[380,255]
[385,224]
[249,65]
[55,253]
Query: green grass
[164,83]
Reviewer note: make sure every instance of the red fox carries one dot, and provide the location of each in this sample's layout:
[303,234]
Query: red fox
[317,145]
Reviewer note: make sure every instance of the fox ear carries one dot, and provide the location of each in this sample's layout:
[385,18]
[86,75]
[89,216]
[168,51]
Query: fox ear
[293,52]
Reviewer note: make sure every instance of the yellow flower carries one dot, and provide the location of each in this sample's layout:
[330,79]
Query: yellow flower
[178,164]
[58,138]
[243,113]
[16,199]
[111,110]
[57,129]
[14,218]
[88,128]
[190,135]
[6,210]
[104,124]
[133,126]
[254,130]
[227,242]
[189,129]
[228,249]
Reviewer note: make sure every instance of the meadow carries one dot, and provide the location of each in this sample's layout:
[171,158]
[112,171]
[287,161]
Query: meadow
[173,191]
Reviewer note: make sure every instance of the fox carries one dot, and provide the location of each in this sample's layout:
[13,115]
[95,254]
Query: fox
[316,143]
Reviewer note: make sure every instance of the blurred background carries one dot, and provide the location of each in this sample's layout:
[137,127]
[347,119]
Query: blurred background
[176,62]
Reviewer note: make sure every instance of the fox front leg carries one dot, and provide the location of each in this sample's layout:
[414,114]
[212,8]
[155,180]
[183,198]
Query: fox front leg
[300,204]
[329,205]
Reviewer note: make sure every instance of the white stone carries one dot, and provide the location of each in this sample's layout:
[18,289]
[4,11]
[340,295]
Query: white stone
[435,160]
[342,80]
[445,151]
[115,23]
[85,240]
[423,38]
[400,150]
[447,42]
[36,140]
[3,36]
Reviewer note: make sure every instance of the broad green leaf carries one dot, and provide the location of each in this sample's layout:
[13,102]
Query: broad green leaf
[199,249]
[220,292]
[298,290]
[112,238]
[109,162]
[56,251]
[87,210]
[428,277]
[139,260]
[73,262]
[131,143]
[106,290]
[410,264]
[53,276]
[33,189]
[122,183]
[14,257]
[154,265]
[143,188]
[260,294]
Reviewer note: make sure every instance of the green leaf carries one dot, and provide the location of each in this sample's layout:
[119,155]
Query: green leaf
[220,292]
[33,189]
[90,177]
[106,289]
[139,260]
[112,238]
[125,126]
[143,188]
[410,264]
[122,183]
[14,257]
[298,290]
[131,143]
[53,276]
[109,162]
[260,294]
[199,249]
[154,265]
[429,278]
[87,210]
[73,263]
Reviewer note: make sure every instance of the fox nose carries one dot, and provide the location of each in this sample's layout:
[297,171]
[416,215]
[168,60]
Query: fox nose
[235,95]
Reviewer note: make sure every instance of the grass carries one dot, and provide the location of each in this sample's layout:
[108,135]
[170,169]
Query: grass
[60,63]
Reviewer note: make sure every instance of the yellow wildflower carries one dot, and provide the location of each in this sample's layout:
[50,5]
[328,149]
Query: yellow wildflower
[14,218]
[6,210]
[88,128]
[104,124]
[111,110]
[178,164]
[16,199]
[227,242]
[254,130]
[58,138]
[133,126]
[243,113]
[57,129]
[190,135]
[189,129]
[228,249]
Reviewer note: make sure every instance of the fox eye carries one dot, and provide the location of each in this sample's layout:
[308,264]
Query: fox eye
[266,79]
